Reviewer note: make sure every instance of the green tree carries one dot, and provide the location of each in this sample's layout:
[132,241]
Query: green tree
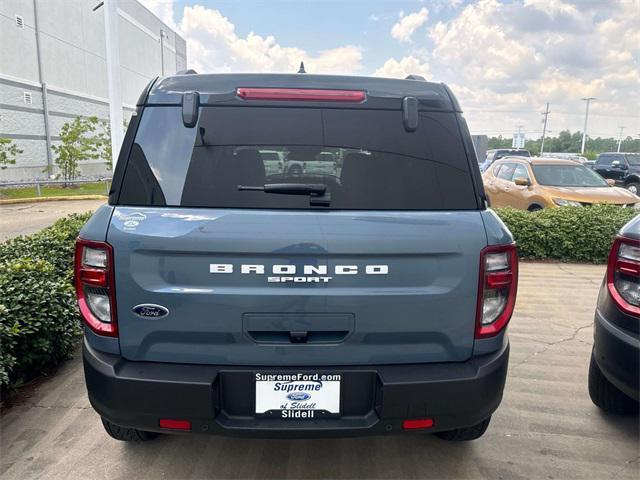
[105,141]
[568,142]
[78,143]
[8,152]
[499,142]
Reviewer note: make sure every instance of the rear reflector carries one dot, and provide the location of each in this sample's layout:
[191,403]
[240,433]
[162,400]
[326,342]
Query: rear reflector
[175,424]
[301,94]
[96,277]
[417,424]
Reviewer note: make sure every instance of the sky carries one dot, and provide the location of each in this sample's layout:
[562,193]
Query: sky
[503,59]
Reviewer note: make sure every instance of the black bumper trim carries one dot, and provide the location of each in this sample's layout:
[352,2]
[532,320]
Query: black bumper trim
[617,353]
[213,398]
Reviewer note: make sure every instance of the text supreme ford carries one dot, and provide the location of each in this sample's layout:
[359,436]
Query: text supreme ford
[368,297]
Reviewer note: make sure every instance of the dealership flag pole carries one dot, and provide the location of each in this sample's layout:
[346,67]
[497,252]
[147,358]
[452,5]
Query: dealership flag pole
[113,74]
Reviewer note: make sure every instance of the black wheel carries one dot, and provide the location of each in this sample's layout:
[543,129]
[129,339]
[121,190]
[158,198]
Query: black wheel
[633,187]
[605,395]
[535,208]
[295,170]
[466,433]
[125,434]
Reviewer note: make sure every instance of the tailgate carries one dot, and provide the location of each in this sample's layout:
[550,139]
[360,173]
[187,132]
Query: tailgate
[317,287]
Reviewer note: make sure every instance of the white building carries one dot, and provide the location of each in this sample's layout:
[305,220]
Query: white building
[53,68]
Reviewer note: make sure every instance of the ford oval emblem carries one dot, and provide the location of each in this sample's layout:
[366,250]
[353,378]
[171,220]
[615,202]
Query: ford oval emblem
[150,310]
[298,396]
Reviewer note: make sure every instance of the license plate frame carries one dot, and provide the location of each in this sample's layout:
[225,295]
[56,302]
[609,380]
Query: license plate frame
[297,395]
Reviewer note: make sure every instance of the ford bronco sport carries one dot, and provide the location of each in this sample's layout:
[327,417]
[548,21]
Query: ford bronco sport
[220,297]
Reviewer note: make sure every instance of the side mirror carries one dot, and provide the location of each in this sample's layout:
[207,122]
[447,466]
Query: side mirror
[611,182]
[521,181]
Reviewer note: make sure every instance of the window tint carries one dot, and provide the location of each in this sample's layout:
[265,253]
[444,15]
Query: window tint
[506,172]
[365,159]
[520,172]
[633,159]
[605,160]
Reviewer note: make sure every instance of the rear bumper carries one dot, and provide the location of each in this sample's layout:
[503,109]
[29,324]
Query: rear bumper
[220,399]
[617,353]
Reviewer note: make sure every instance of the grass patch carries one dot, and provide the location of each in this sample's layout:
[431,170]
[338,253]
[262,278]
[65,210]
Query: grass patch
[95,188]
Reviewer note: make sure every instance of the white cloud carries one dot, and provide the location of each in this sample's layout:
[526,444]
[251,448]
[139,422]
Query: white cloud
[400,69]
[408,24]
[214,46]
[506,59]
[503,58]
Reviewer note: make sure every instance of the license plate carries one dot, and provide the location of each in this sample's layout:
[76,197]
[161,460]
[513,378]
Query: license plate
[298,395]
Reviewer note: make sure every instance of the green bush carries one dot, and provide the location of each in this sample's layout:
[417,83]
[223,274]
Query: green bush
[570,234]
[55,245]
[39,320]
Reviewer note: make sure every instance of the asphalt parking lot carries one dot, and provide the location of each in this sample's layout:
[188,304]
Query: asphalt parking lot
[26,218]
[546,427]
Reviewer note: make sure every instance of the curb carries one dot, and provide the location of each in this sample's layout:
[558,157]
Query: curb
[12,201]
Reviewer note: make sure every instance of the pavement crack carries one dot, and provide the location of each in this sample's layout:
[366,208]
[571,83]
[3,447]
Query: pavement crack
[626,465]
[548,345]
[574,274]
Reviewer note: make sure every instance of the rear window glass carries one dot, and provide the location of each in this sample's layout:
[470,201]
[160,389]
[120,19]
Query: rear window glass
[362,159]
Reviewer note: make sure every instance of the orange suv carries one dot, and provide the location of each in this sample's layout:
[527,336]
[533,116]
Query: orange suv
[537,183]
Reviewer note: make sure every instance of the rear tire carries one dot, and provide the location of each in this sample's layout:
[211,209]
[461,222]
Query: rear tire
[633,187]
[125,434]
[605,395]
[535,208]
[465,434]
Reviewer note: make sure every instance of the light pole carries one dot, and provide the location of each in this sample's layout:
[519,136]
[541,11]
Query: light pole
[163,35]
[544,128]
[113,75]
[620,137]
[586,118]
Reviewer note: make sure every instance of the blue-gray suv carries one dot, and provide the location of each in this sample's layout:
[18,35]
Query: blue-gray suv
[368,297]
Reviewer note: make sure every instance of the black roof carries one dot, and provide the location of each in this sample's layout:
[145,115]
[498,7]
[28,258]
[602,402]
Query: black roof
[220,89]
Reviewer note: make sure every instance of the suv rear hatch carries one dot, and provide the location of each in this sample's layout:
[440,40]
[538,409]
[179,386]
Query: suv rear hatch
[371,261]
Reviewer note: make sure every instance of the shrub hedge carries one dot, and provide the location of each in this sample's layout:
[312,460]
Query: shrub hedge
[570,234]
[39,323]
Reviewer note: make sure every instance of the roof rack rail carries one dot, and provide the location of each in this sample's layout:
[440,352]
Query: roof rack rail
[189,71]
[415,77]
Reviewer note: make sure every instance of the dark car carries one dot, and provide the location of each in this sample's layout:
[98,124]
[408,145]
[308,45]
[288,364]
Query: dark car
[623,168]
[614,373]
[223,297]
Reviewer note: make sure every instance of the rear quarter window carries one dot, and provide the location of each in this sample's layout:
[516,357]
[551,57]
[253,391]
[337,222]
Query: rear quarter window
[365,158]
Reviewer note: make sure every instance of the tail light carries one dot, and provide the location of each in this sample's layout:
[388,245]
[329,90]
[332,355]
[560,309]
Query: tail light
[496,289]
[301,94]
[95,286]
[623,275]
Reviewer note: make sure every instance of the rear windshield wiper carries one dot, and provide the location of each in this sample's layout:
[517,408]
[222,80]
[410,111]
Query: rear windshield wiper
[317,191]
